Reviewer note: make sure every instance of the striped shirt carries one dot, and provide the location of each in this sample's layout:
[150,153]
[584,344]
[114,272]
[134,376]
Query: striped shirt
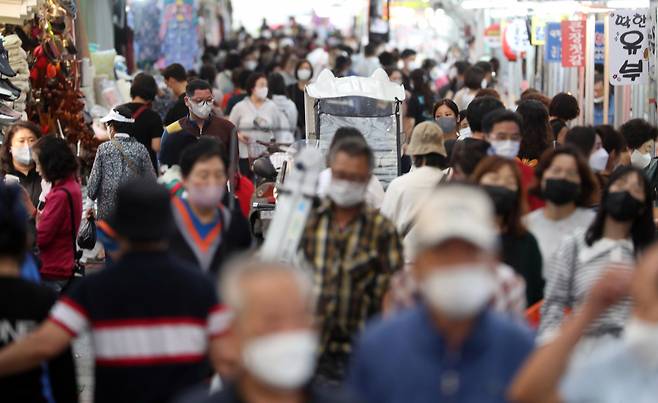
[150,321]
[576,267]
[351,268]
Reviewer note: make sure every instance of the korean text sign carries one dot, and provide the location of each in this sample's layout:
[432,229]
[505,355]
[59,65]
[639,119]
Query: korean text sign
[553,42]
[629,47]
[573,43]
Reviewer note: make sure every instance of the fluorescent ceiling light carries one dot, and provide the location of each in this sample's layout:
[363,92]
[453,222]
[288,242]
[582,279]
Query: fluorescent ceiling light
[628,4]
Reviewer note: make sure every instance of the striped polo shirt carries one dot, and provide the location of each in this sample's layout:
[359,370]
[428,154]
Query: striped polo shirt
[151,320]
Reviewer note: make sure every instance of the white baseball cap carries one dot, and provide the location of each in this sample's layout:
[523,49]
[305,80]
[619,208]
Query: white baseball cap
[115,116]
[457,212]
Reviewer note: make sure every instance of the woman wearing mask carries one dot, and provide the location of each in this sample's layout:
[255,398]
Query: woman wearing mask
[256,117]
[473,79]
[59,220]
[446,114]
[622,228]
[287,109]
[208,232]
[536,131]
[117,161]
[422,99]
[641,137]
[303,74]
[567,186]
[501,179]
[17,158]
[588,142]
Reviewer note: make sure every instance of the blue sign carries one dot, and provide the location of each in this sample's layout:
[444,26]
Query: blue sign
[553,42]
[599,43]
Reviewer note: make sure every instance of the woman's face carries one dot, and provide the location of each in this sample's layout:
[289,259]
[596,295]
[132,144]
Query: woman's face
[646,148]
[23,138]
[503,177]
[563,167]
[305,65]
[205,173]
[444,111]
[631,183]
[261,83]
[598,144]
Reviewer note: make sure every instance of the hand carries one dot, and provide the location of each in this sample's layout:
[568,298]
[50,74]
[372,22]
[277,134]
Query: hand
[90,213]
[243,138]
[610,288]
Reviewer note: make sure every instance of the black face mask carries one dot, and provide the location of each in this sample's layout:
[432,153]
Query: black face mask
[504,200]
[561,191]
[621,206]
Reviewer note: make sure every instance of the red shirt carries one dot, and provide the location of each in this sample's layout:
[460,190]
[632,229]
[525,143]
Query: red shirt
[54,237]
[527,181]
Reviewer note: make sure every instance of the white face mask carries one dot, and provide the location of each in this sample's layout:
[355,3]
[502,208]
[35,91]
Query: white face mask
[22,154]
[282,360]
[506,148]
[484,83]
[205,196]
[347,193]
[598,160]
[642,337]
[459,292]
[464,133]
[397,82]
[304,74]
[261,93]
[640,160]
[201,109]
[251,65]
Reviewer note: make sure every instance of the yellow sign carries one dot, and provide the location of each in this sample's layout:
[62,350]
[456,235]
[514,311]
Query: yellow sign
[538,31]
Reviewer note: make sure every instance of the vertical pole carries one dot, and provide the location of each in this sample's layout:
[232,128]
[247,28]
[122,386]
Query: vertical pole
[606,71]
[590,24]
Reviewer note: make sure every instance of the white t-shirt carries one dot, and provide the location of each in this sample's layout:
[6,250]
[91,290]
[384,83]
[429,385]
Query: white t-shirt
[374,193]
[550,233]
[247,117]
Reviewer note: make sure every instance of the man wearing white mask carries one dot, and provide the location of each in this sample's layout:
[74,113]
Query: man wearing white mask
[271,336]
[353,251]
[451,347]
[200,122]
[625,370]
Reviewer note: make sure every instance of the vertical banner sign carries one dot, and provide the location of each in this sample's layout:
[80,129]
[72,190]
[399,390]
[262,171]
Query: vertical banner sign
[629,47]
[573,43]
[553,42]
[599,43]
[538,31]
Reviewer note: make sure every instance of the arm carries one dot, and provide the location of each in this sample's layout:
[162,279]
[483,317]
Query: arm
[392,262]
[52,217]
[156,142]
[536,284]
[145,162]
[94,183]
[43,344]
[540,376]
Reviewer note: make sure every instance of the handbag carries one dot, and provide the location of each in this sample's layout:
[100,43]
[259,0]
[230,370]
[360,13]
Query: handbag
[78,268]
[87,234]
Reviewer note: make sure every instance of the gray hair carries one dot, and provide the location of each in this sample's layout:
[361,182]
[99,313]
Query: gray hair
[235,272]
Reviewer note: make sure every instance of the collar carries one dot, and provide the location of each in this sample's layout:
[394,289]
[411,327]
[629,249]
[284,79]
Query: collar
[30,174]
[606,245]
[190,121]
[326,206]
[122,135]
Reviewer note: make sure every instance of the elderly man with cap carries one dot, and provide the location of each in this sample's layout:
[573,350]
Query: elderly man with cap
[451,347]
[151,319]
[407,193]
[271,336]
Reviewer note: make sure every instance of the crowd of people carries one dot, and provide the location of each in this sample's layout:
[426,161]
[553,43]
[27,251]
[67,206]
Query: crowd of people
[513,260]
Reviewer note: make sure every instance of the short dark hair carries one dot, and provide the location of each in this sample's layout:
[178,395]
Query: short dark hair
[277,84]
[370,49]
[203,150]
[589,186]
[434,160]
[241,76]
[468,153]
[387,59]
[175,71]
[611,139]
[449,104]
[564,106]
[461,66]
[408,53]
[643,228]
[195,85]
[535,130]
[13,221]
[354,147]
[144,86]
[637,132]
[251,82]
[491,119]
[6,158]
[232,61]
[344,133]
[300,64]
[473,78]
[556,127]
[488,92]
[208,73]
[55,158]
[479,108]
[123,127]
[485,66]
[582,138]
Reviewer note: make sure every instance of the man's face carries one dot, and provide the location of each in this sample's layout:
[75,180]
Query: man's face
[206,173]
[505,131]
[199,97]
[349,168]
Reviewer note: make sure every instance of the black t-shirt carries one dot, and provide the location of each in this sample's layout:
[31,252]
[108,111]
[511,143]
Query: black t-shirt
[178,111]
[297,96]
[523,255]
[23,306]
[418,107]
[147,126]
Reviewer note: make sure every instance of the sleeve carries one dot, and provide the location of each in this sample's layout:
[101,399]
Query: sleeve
[167,152]
[359,378]
[240,230]
[375,192]
[556,298]
[389,207]
[219,316]
[535,284]
[155,126]
[414,108]
[94,183]
[70,314]
[235,116]
[145,162]
[392,259]
[52,217]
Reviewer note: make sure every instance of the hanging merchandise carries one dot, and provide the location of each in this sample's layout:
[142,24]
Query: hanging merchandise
[599,43]
[15,85]
[538,31]
[629,47]
[179,33]
[553,42]
[146,16]
[573,43]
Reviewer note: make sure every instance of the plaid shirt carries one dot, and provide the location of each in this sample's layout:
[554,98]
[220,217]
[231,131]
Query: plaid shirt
[351,269]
